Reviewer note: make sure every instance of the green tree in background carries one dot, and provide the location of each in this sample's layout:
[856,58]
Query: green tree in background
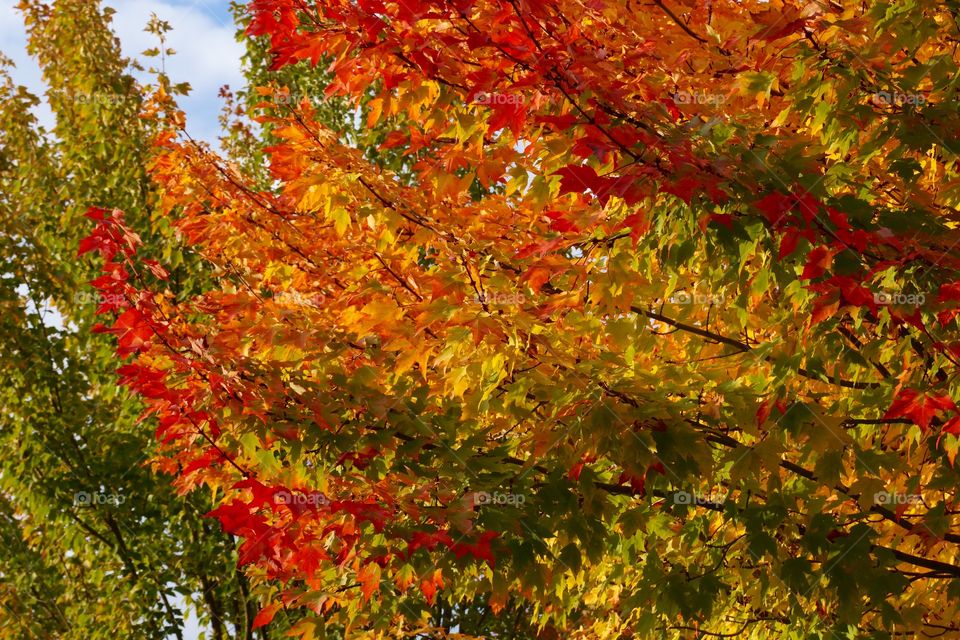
[94,544]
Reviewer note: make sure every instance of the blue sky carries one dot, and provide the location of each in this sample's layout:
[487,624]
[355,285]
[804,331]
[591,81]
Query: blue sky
[207,57]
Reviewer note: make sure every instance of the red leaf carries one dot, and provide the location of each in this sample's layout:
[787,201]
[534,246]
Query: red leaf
[559,223]
[787,29]
[510,114]
[672,108]
[480,550]
[638,225]
[89,243]
[818,260]
[132,331]
[637,484]
[723,219]
[788,243]
[542,248]
[839,219]
[579,179]
[575,471]
[951,426]
[266,615]
[853,292]
[96,213]
[774,207]
[428,540]
[947,316]
[823,307]
[684,188]
[949,292]
[763,412]
[918,408]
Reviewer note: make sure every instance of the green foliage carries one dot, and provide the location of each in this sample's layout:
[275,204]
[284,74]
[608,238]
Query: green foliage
[94,544]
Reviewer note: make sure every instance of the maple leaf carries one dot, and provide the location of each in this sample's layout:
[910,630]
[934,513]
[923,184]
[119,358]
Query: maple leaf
[89,244]
[265,615]
[480,549]
[428,540]
[724,220]
[575,471]
[638,225]
[775,207]
[788,243]
[684,188]
[763,412]
[431,585]
[133,331]
[637,483]
[949,292]
[369,579]
[852,292]
[579,179]
[818,261]
[510,114]
[558,222]
[951,426]
[918,408]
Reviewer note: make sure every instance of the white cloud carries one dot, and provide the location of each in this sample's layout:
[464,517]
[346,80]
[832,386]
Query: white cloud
[207,53]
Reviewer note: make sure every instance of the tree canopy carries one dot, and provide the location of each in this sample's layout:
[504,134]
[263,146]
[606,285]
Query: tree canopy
[638,320]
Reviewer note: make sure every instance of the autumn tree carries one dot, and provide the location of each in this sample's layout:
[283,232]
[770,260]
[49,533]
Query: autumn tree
[658,339]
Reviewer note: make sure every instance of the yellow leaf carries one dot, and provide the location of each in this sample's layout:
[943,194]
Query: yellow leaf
[341,220]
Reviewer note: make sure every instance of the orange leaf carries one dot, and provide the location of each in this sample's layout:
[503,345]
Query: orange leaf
[369,579]
[266,615]
[537,277]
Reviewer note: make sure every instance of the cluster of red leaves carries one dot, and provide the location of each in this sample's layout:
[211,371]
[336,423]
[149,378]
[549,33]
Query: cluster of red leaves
[284,530]
[828,232]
